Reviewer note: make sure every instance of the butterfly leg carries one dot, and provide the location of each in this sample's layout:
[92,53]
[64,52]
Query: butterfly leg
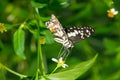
[59,40]
[67,53]
[62,53]
[61,50]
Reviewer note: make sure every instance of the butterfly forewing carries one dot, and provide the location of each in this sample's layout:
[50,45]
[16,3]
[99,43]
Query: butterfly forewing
[76,34]
[56,29]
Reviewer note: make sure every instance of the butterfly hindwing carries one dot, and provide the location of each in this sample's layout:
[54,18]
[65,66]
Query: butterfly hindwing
[76,34]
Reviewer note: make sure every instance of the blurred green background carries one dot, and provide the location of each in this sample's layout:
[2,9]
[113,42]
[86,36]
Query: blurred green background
[105,40]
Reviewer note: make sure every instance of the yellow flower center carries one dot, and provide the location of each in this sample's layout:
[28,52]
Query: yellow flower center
[62,62]
[111,14]
[42,41]
[2,27]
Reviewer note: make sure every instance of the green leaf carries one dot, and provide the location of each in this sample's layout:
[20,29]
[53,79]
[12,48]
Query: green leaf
[19,40]
[72,73]
[48,37]
[37,5]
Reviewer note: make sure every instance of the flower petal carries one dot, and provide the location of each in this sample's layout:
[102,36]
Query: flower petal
[60,60]
[116,12]
[54,59]
[112,10]
[64,65]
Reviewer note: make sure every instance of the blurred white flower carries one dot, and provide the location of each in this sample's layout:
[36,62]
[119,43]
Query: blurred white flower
[60,62]
[112,12]
[10,18]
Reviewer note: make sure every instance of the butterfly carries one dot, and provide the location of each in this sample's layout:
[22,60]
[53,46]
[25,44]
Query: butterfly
[68,36]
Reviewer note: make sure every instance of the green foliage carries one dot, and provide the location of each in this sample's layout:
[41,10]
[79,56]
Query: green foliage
[76,71]
[37,5]
[27,46]
[110,49]
[18,41]
[48,37]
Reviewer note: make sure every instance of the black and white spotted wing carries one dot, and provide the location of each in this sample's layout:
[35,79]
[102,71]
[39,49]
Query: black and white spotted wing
[76,34]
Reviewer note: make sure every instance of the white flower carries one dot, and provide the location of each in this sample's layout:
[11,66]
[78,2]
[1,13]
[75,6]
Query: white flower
[60,62]
[112,12]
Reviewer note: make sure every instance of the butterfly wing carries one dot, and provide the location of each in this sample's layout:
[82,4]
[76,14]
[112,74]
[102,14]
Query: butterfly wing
[55,27]
[76,34]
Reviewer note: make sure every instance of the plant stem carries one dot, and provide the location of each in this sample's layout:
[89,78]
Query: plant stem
[54,70]
[37,75]
[11,71]
[40,56]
